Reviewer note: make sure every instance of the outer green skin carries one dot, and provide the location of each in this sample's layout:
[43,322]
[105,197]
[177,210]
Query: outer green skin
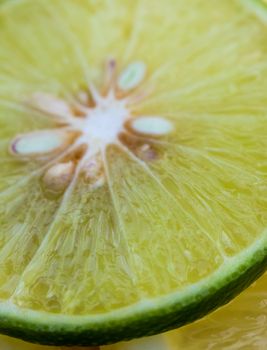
[168,315]
[137,324]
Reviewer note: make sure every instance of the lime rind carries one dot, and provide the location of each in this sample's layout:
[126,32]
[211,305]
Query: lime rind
[145,318]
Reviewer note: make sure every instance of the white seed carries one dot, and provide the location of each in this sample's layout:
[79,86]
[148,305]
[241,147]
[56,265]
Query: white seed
[39,142]
[94,173]
[92,169]
[151,125]
[132,76]
[59,176]
[49,104]
[147,153]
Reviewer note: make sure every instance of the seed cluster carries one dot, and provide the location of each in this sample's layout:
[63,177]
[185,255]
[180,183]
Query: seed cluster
[88,124]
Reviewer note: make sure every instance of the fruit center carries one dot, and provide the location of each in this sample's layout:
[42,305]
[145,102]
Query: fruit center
[87,124]
[102,125]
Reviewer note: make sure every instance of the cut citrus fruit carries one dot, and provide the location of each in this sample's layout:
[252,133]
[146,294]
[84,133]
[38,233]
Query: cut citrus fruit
[239,325]
[134,174]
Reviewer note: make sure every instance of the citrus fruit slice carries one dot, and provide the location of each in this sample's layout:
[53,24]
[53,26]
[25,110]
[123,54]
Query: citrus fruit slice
[133,177]
[238,325]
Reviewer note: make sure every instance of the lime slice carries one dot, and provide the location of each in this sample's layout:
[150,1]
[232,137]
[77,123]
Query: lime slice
[133,177]
[239,325]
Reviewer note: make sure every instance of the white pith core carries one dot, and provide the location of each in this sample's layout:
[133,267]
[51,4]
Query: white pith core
[102,125]
[94,128]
